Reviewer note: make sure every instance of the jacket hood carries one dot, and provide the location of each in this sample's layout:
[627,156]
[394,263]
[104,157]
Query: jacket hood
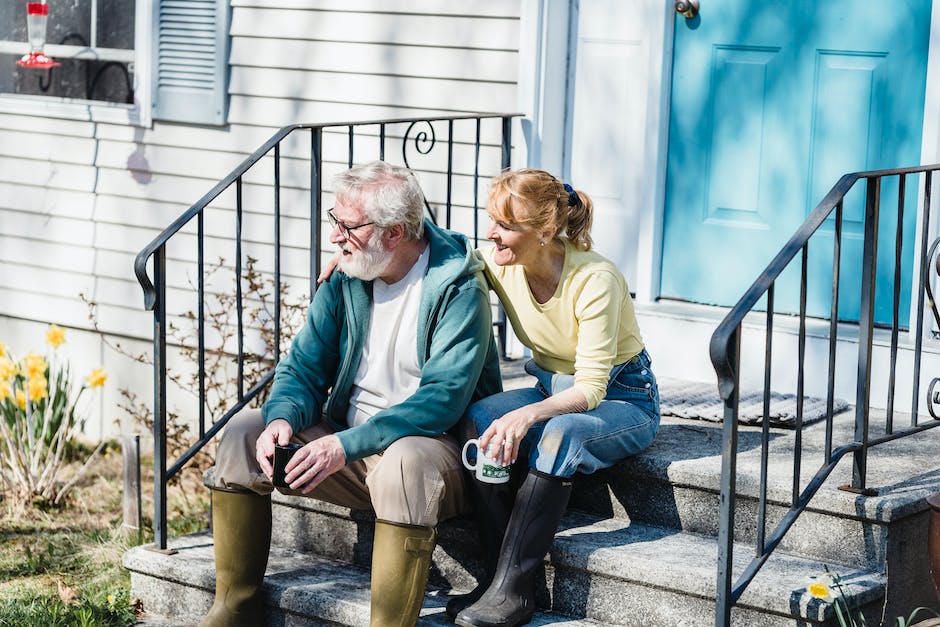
[452,256]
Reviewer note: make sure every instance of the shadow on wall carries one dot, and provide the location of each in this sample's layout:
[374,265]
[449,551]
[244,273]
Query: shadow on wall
[137,163]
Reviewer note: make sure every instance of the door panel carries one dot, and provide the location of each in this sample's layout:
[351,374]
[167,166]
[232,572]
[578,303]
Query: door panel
[771,103]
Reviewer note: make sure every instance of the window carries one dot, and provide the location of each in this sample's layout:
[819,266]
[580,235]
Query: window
[98,44]
[113,69]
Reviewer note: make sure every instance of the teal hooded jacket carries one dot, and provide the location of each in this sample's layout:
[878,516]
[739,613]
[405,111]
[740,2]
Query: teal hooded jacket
[456,353]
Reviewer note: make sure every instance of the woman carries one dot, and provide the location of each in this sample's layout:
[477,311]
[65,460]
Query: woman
[595,403]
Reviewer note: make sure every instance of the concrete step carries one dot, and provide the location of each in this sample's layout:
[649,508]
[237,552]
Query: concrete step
[675,482]
[607,571]
[299,588]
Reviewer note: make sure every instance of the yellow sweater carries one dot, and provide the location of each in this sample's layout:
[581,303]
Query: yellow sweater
[588,325]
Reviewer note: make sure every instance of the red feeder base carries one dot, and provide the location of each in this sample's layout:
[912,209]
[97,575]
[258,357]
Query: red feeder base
[37,60]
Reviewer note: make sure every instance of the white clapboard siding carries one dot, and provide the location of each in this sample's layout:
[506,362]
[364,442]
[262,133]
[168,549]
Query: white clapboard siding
[48,228]
[460,31]
[278,112]
[373,58]
[430,93]
[40,306]
[43,125]
[25,145]
[236,138]
[132,321]
[161,187]
[490,8]
[16,250]
[167,160]
[48,173]
[46,200]
[62,282]
[144,212]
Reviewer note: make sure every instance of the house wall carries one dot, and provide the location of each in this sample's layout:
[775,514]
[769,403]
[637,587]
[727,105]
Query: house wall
[79,199]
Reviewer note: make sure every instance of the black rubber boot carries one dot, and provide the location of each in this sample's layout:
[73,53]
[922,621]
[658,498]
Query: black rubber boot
[510,599]
[492,506]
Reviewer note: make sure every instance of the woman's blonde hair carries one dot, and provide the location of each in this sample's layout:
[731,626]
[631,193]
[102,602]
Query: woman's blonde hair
[537,199]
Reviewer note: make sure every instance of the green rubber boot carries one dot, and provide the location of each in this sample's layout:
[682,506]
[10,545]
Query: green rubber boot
[241,529]
[401,559]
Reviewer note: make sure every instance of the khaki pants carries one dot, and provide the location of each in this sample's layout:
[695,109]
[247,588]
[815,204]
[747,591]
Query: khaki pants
[416,480]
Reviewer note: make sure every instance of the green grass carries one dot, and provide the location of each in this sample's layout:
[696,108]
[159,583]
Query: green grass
[62,566]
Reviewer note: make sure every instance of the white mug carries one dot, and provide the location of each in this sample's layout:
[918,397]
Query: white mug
[487,469]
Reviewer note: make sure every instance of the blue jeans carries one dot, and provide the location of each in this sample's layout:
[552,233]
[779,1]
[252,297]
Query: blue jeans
[623,424]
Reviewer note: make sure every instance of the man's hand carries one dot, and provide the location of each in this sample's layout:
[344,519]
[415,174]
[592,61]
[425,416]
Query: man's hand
[314,462]
[278,432]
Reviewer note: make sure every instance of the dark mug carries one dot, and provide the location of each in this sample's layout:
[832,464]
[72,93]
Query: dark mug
[282,455]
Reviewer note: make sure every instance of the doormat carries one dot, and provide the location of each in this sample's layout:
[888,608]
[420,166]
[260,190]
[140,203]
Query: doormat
[700,401]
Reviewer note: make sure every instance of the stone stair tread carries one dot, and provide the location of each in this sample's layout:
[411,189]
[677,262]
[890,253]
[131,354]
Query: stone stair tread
[613,549]
[305,587]
[687,452]
[670,559]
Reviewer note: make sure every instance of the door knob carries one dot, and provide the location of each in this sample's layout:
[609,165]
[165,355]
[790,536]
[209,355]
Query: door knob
[687,8]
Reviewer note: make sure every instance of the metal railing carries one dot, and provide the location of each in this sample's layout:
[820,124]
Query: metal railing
[380,133]
[726,358]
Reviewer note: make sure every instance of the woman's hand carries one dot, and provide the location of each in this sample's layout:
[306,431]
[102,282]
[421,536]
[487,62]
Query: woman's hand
[327,271]
[505,434]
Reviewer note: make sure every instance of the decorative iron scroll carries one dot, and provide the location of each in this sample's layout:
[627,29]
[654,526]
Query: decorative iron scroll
[933,395]
[423,145]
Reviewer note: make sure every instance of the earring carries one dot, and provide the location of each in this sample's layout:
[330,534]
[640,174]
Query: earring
[541,242]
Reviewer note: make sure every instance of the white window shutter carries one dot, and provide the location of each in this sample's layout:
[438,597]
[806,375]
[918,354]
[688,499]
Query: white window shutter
[190,78]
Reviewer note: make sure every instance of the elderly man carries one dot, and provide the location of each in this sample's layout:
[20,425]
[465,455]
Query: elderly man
[393,350]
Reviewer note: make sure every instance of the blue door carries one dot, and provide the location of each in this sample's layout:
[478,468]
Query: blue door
[771,103]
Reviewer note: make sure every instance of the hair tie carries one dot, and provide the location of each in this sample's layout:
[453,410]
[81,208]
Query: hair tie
[573,199]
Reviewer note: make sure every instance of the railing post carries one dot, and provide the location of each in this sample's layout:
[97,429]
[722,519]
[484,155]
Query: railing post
[130,452]
[866,323]
[729,462]
[159,399]
[316,191]
[506,147]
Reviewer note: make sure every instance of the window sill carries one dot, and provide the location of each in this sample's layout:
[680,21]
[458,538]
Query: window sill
[73,109]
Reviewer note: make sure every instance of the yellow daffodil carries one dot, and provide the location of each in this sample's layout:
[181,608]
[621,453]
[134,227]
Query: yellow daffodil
[38,388]
[5,391]
[97,378]
[3,349]
[21,399]
[7,368]
[55,335]
[820,587]
[35,365]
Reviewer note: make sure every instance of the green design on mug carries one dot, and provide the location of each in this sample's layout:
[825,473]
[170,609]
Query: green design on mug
[495,472]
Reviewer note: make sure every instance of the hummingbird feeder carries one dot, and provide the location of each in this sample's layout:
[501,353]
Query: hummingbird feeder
[37,14]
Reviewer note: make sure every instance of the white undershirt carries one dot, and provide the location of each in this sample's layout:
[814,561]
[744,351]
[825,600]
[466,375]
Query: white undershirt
[388,371]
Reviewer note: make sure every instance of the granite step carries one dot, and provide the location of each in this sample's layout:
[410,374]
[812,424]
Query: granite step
[675,483]
[299,589]
[602,571]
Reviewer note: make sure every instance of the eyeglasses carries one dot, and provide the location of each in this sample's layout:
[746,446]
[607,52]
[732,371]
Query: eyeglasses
[344,228]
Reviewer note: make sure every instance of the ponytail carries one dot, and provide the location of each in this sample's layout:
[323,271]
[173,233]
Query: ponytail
[580,219]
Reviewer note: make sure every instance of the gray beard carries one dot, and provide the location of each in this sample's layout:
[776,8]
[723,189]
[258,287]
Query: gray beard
[369,262]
